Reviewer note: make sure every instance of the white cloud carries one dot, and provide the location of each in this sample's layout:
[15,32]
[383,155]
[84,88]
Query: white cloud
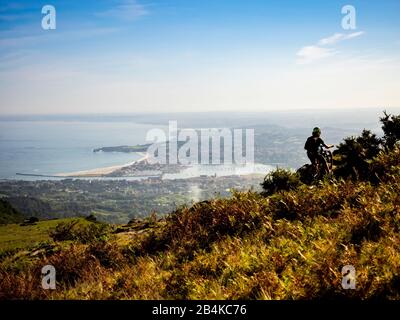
[309,54]
[337,37]
[126,10]
[331,40]
[353,35]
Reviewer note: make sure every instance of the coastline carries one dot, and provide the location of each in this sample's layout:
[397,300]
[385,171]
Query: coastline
[187,173]
[99,172]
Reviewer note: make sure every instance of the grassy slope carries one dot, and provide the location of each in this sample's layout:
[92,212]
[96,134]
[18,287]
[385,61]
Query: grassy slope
[291,245]
[14,236]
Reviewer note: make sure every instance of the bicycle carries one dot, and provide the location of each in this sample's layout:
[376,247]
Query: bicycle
[310,173]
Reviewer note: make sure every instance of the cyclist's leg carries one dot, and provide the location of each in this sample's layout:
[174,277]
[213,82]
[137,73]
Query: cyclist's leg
[324,163]
[312,157]
[314,162]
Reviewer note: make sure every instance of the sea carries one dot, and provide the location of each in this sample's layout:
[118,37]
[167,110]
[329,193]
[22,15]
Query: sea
[52,147]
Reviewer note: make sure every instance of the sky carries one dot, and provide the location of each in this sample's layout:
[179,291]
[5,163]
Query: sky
[108,56]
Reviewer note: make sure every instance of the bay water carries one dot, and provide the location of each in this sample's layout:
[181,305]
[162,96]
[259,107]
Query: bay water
[51,147]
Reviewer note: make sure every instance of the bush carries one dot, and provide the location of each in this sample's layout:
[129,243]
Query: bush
[107,253]
[353,155]
[385,166]
[79,232]
[33,220]
[73,265]
[63,231]
[91,218]
[29,222]
[391,129]
[280,180]
[92,232]
[188,229]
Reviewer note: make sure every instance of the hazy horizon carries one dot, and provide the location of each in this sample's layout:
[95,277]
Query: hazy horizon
[286,110]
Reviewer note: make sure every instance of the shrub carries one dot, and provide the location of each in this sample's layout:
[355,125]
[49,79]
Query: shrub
[73,265]
[33,219]
[29,222]
[385,165]
[107,253]
[391,129]
[353,155]
[280,180]
[92,232]
[79,232]
[64,231]
[188,229]
[91,218]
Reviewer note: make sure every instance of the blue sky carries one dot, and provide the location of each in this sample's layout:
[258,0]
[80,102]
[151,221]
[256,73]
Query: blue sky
[197,55]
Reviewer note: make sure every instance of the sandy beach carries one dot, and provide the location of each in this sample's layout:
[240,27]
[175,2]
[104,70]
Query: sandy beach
[99,172]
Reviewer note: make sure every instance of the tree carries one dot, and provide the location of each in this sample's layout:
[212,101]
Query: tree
[353,155]
[391,129]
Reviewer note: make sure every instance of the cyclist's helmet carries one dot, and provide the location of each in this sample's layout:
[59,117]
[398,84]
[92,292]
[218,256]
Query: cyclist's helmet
[316,132]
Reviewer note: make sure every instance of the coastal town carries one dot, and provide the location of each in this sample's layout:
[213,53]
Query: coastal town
[117,200]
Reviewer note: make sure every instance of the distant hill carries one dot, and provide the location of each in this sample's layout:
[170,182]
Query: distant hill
[8,214]
[31,207]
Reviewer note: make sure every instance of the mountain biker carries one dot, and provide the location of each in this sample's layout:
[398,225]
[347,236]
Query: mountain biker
[313,145]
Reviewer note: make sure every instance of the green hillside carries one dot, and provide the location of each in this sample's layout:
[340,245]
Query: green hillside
[289,243]
[16,236]
[8,214]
